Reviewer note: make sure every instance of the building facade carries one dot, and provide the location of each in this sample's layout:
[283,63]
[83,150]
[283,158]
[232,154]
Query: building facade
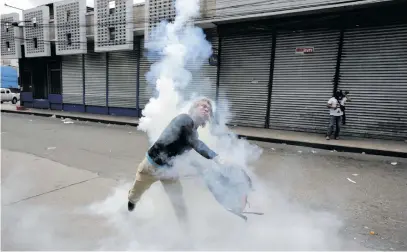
[276,64]
[11,37]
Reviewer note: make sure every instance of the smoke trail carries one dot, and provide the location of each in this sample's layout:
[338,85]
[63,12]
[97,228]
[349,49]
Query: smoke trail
[179,44]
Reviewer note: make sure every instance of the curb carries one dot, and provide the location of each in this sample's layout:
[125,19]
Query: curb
[253,138]
[338,148]
[80,118]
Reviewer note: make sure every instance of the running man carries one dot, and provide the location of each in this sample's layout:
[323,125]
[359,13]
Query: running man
[177,138]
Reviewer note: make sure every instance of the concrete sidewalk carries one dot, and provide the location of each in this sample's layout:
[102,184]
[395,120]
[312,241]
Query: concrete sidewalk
[356,145]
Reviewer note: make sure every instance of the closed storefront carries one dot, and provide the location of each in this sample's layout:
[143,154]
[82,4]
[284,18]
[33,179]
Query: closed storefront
[304,70]
[122,83]
[72,79]
[244,76]
[374,71]
[146,89]
[95,79]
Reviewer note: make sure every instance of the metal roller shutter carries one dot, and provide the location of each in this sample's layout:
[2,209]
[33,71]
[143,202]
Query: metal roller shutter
[374,71]
[204,79]
[72,79]
[95,79]
[244,77]
[122,76]
[303,83]
[146,89]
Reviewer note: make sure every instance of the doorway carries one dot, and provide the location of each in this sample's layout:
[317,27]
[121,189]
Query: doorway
[54,77]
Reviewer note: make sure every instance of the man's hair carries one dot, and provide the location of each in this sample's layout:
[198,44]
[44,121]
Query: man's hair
[200,100]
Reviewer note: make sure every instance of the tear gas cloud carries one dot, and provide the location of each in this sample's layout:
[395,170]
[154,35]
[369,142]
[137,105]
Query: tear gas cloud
[153,226]
[180,46]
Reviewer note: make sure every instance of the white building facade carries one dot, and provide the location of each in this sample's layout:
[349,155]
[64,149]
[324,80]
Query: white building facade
[278,62]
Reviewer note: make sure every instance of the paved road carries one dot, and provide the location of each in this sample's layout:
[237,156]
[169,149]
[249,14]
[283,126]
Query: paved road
[309,202]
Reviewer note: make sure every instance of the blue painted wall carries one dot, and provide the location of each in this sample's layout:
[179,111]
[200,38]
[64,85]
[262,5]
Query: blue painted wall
[9,78]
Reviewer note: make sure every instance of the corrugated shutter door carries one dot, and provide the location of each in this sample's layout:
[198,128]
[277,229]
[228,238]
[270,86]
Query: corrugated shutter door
[146,89]
[72,79]
[122,79]
[204,79]
[244,77]
[303,84]
[95,79]
[374,71]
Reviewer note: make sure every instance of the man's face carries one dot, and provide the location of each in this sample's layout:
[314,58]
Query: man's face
[203,110]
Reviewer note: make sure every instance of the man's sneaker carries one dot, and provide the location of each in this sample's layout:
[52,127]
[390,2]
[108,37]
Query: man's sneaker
[327,138]
[130,206]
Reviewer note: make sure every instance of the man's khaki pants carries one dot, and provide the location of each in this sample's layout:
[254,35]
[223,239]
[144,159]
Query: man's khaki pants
[146,175]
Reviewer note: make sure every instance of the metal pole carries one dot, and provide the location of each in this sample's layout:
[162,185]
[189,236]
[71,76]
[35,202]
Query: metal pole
[12,7]
[271,75]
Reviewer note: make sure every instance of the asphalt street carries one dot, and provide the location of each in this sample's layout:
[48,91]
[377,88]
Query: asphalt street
[313,199]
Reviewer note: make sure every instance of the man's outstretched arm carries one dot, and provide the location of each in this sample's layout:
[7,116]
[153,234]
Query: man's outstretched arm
[203,149]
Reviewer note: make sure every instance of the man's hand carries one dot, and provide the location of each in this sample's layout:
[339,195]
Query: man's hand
[223,162]
[219,160]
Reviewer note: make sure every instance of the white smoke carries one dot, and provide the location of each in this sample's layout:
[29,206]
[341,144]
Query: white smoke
[153,226]
[284,226]
[178,44]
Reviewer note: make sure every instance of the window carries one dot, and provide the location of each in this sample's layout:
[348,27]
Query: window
[8,45]
[69,38]
[112,6]
[34,21]
[3,92]
[7,91]
[35,42]
[7,26]
[112,33]
[68,15]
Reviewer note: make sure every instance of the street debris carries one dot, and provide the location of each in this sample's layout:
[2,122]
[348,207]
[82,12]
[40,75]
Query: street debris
[355,174]
[351,180]
[31,120]
[273,149]
[372,233]
[313,151]
[366,227]
[130,132]
[51,148]
[67,121]
[299,151]
[363,153]
[53,116]
[394,163]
